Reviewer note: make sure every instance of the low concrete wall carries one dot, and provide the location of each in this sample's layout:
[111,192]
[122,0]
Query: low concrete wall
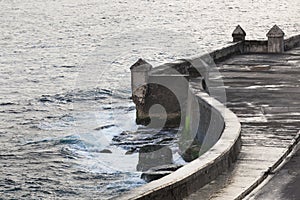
[211,125]
[258,46]
[226,52]
[184,66]
[251,46]
[255,46]
[292,42]
[203,125]
[202,170]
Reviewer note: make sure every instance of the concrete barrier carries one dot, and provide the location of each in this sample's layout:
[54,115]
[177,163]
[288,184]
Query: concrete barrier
[226,52]
[202,170]
[255,46]
[292,42]
[224,148]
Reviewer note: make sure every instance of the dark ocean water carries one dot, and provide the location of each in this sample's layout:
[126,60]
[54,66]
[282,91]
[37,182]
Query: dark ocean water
[65,82]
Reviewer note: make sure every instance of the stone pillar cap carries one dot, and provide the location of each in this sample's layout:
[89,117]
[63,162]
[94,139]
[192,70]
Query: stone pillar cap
[239,31]
[275,32]
[141,65]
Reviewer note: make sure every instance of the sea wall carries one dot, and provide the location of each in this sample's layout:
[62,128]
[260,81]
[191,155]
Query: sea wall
[201,171]
[217,128]
[226,52]
[255,46]
[204,123]
[292,42]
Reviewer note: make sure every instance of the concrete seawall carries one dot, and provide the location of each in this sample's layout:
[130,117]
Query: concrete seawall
[224,145]
[201,171]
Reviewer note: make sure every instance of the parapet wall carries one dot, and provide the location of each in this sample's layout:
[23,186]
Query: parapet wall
[201,171]
[292,42]
[226,52]
[255,46]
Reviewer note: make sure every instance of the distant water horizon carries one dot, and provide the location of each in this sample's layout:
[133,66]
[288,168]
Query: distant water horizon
[65,81]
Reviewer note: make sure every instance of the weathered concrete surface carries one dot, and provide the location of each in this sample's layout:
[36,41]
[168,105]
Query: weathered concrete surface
[284,185]
[263,90]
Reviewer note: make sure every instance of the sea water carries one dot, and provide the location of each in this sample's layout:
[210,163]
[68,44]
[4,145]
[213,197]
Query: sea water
[65,82]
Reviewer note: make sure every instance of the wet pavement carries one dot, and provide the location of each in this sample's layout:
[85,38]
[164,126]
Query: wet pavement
[263,91]
[284,185]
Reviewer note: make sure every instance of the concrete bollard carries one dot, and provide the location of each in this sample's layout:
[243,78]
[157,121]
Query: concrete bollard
[139,74]
[238,34]
[275,40]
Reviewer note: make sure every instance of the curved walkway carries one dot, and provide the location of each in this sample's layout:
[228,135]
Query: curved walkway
[286,181]
[263,90]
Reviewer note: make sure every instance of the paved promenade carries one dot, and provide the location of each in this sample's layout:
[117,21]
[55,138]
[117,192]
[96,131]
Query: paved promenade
[263,90]
[284,185]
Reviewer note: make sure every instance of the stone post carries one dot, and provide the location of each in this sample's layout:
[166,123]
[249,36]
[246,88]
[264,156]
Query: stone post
[139,74]
[275,40]
[238,34]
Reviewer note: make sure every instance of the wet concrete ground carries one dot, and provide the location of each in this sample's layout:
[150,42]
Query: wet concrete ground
[285,183]
[263,91]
